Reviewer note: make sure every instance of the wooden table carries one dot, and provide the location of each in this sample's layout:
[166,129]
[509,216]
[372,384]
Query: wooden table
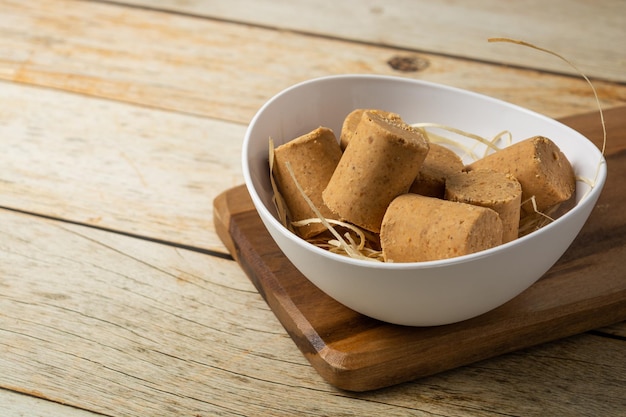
[122,121]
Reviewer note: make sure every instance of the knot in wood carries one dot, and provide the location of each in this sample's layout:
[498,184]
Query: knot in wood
[408,63]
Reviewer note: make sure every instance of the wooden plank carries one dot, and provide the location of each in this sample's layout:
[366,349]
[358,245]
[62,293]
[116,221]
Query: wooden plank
[357,353]
[226,70]
[15,404]
[116,166]
[588,33]
[127,327]
[589,124]
[121,326]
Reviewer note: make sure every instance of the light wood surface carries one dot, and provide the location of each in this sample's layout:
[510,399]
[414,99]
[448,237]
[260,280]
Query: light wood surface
[122,121]
[448,27]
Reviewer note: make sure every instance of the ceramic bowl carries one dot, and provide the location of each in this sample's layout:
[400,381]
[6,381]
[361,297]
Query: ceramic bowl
[421,293]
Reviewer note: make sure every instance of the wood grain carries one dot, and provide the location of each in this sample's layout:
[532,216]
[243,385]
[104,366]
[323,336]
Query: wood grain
[584,290]
[16,404]
[116,166]
[226,70]
[457,29]
[127,116]
[122,326]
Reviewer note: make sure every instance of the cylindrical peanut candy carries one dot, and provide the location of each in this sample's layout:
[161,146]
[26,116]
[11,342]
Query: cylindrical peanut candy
[495,190]
[353,119]
[313,158]
[381,162]
[439,164]
[541,168]
[418,228]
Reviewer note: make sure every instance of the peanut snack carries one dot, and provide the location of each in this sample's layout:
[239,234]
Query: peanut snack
[440,163]
[540,167]
[313,158]
[495,190]
[380,163]
[395,196]
[418,228]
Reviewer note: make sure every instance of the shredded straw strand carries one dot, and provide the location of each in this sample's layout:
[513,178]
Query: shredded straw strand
[281,207]
[348,248]
[587,181]
[595,94]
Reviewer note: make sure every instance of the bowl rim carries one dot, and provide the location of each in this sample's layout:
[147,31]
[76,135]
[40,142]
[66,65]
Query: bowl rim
[592,194]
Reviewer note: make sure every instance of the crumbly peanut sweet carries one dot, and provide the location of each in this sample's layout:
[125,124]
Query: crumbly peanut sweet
[418,228]
[541,168]
[352,120]
[495,190]
[381,162]
[439,164]
[313,158]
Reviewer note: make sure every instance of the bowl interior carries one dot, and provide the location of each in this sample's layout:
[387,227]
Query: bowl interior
[326,102]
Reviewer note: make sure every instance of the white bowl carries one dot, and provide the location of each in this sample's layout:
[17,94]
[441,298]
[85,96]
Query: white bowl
[421,293]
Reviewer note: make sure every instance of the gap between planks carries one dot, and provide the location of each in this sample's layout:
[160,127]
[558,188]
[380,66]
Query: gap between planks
[205,251]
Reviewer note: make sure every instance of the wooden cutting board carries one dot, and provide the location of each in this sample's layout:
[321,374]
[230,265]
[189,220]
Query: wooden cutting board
[586,289]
